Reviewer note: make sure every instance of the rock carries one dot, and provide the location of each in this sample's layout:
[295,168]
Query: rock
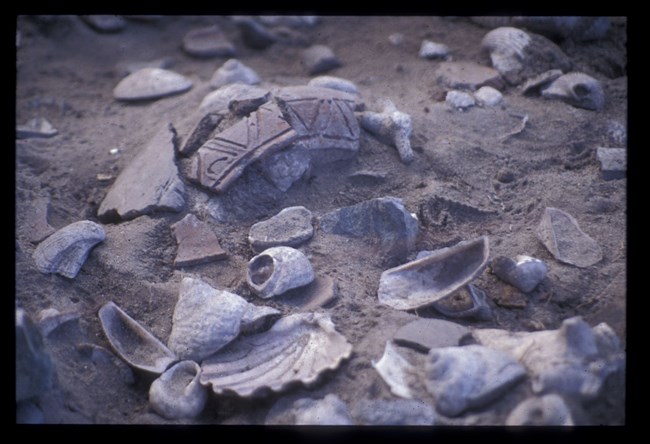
[432,50]
[200,133]
[334,83]
[177,393]
[613,162]
[50,319]
[290,227]
[38,127]
[319,293]
[197,243]
[34,368]
[392,127]
[488,96]
[525,273]
[205,320]
[548,410]
[286,167]
[462,378]
[151,83]
[277,270]
[459,100]
[233,71]
[319,58]
[123,69]
[105,23]
[383,220]
[207,42]
[425,334]
[327,411]
[396,371]
[577,89]
[467,75]
[394,412]
[254,34]
[561,235]
[237,97]
[37,225]
[150,183]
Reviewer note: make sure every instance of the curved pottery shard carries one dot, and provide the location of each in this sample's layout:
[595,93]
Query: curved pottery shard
[66,250]
[132,342]
[177,393]
[424,281]
[298,348]
[561,235]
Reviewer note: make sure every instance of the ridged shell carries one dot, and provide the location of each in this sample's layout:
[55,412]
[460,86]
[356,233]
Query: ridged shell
[132,342]
[298,348]
[177,393]
[65,251]
[577,89]
[277,270]
[424,281]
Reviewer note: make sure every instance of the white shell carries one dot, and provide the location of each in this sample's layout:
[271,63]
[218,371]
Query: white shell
[424,281]
[132,342]
[461,378]
[432,50]
[396,371]
[488,96]
[233,71]
[459,100]
[65,251]
[204,320]
[548,410]
[151,83]
[392,126]
[177,393]
[573,360]
[298,348]
[577,89]
[277,270]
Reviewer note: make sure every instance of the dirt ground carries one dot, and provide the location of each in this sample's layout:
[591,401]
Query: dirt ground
[469,179]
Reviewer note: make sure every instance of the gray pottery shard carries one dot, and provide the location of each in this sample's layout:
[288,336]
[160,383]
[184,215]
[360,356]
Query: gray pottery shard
[205,319]
[148,184]
[221,160]
[197,243]
[548,410]
[151,83]
[177,393]
[562,236]
[290,227]
[577,89]
[422,282]
[132,342]
[278,270]
[65,251]
[297,349]
[462,378]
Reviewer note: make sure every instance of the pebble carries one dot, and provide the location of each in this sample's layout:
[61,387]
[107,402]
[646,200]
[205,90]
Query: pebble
[290,227]
[34,368]
[488,96]
[208,42]
[105,23]
[394,412]
[123,69]
[233,71]
[425,334]
[432,50]
[130,196]
[330,410]
[613,162]
[467,75]
[197,243]
[319,58]
[254,34]
[562,236]
[334,83]
[524,272]
[38,227]
[151,83]
[236,96]
[459,100]
[38,127]
[50,319]
[200,133]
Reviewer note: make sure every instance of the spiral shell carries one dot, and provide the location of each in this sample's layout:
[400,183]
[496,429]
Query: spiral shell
[277,270]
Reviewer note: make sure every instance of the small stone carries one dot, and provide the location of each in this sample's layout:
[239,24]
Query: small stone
[105,23]
[38,127]
[34,368]
[238,97]
[290,227]
[125,68]
[488,96]
[233,71]
[318,59]
[200,133]
[467,75]
[50,319]
[393,412]
[613,162]
[151,83]
[396,39]
[254,34]
[510,298]
[562,236]
[208,42]
[327,411]
[197,243]
[459,100]
[334,83]
[432,50]
[525,273]
[37,225]
[425,334]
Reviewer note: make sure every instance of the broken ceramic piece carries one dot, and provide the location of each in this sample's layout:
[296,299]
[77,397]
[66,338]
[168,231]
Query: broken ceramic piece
[151,83]
[392,127]
[394,412]
[132,342]
[277,270]
[524,272]
[562,236]
[425,334]
[298,348]
[396,371]
[462,378]
[424,281]
[177,393]
[577,89]
[66,250]
[548,410]
[290,227]
[209,41]
[320,293]
[38,127]
[257,319]
[197,243]
[233,71]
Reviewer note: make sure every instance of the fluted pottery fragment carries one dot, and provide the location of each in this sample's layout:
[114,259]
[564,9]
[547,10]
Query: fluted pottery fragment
[132,342]
[177,393]
[424,281]
[66,250]
[298,348]
[277,270]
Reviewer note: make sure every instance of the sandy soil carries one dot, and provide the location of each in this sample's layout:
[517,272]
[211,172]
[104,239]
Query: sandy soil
[66,73]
